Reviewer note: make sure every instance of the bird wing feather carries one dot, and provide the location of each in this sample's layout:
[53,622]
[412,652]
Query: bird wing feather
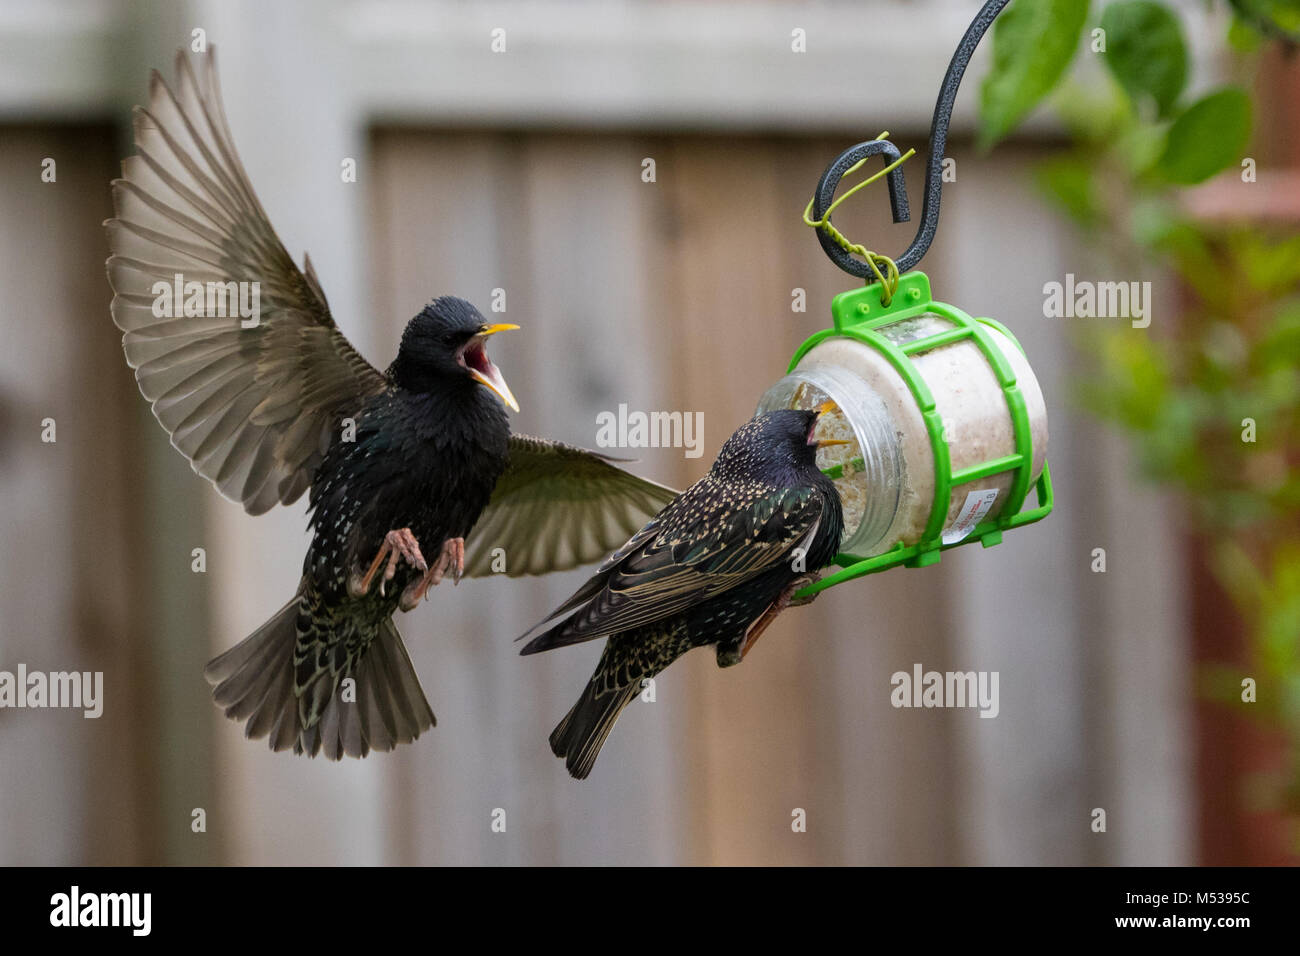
[695,556]
[252,409]
[556,507]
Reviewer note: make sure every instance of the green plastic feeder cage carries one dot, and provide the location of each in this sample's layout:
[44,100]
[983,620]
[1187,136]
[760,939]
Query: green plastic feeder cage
[946,424]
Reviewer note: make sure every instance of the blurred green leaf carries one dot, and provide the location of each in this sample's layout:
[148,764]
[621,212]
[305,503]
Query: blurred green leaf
[1271,265]
[1271,18]
[1242,37]
[1154,221]
[1068,181]
[1140,145]
[1234,354]
[1145,51]
[1280,346]
[1091,112]
[1033,44]
[1208,137]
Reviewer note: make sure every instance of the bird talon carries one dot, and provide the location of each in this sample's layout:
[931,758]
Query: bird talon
[458,551]
[397,545]
[798,585]
[451,557]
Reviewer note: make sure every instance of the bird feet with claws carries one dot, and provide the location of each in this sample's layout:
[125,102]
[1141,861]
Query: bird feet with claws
[398,545]
[452,559]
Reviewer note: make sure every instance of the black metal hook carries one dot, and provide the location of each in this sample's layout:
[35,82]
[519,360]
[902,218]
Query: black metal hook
[830,179]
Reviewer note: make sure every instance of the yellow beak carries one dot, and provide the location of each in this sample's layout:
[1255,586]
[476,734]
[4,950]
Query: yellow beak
[822,409]
[491,376]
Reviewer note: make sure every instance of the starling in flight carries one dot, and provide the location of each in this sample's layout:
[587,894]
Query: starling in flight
[715,567]
[400,464]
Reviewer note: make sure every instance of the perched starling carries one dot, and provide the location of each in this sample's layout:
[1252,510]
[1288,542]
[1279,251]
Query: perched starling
[715,567]
[401,465]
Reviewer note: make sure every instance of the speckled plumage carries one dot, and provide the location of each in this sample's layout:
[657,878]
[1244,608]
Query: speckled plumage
[425,460]
[423,453]
[703,572]
[264,406]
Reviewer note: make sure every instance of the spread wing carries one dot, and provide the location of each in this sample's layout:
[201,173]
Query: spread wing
[695,550]
[557,507]
[253,409]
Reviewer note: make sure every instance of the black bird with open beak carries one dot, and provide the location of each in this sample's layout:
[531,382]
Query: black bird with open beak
[714,568]
[401,465]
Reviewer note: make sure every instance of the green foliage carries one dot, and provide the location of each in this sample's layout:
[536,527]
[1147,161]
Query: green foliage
[1206,138]
[1212,407]
[1269,18]
[1068,180]
[1033,44]
[1145,51]
[1187,399]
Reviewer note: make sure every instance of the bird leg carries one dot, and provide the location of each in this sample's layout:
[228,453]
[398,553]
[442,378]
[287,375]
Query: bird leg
[452,558]
[803,582]
[397,545]
[784,600]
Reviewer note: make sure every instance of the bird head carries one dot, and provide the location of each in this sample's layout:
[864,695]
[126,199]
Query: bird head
[780,446]
[447,343]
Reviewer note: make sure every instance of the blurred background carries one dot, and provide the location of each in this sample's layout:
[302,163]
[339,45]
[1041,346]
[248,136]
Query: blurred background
[522,170]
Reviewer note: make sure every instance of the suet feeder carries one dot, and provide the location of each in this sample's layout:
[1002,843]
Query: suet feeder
[945,421]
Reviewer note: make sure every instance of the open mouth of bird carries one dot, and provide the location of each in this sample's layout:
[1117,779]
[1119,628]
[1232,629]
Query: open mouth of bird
[822,409]
[473,356]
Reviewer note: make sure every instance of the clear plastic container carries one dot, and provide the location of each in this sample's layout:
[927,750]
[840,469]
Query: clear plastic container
[888,481]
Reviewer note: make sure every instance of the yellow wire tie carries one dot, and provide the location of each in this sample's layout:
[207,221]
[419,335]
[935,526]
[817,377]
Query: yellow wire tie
[888,279]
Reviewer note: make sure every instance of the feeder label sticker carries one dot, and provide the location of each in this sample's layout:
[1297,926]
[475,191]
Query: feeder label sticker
[972,513]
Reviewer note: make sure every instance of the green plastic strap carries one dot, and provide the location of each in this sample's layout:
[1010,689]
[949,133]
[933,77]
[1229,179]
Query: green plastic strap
[859,314]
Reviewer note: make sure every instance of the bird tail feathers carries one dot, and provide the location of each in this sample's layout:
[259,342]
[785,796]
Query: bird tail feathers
[585,728]
[254,682]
